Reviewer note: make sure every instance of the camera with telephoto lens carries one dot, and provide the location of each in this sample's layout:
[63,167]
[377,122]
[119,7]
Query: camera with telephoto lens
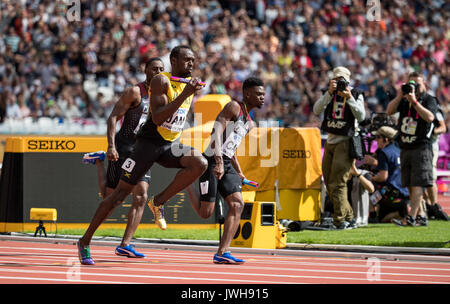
[409,87]
[369,125]
[341,84]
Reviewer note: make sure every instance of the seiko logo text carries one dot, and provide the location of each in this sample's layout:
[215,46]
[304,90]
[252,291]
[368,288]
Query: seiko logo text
[51,145]
[296,154]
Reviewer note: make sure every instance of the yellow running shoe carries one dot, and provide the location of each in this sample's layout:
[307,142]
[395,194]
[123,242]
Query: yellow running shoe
[158,213]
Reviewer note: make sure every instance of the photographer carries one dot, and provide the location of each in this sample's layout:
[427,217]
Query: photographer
[342,107]
[392,196]
[434,210]
[417,111]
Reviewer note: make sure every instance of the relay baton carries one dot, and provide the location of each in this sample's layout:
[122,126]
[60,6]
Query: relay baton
[250,183]
[185,80]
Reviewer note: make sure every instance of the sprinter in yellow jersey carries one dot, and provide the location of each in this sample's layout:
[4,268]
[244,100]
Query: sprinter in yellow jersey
[133,106]
[157,141]
[170,129]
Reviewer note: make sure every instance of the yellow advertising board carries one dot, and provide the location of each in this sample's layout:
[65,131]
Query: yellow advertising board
[300,165]
[207,107]
[64,144]
[258,157]
[287,157]
[290,156]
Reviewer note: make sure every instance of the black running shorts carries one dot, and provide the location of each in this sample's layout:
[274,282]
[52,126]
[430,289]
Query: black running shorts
[148,151]
[209,185]
[114,172]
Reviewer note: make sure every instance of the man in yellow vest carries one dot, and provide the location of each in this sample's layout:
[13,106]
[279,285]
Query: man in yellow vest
[157,141]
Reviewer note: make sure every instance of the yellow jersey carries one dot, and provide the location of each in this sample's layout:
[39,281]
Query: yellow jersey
[171,129]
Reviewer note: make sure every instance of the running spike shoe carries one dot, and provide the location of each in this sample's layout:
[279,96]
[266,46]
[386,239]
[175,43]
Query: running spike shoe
[91,158]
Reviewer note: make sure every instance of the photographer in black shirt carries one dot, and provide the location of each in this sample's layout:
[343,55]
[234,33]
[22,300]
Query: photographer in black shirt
[417,111]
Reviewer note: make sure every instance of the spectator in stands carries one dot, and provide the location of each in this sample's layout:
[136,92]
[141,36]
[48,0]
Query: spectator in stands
[23,108]
[12,39]
[3,97]
[313,37]
[12,108]
[47,69]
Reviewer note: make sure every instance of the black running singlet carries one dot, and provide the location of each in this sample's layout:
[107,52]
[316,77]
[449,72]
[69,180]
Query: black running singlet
[233,134]
[133,119]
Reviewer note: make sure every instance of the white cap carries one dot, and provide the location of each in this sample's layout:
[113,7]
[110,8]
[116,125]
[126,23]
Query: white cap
[386,131]
[342,72]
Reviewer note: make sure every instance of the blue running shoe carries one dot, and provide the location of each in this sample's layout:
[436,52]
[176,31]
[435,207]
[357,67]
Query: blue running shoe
[84,254]
[129,251]
[226,258]
[91,158]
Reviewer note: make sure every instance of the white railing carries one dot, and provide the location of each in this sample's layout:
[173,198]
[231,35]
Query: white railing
[54,126]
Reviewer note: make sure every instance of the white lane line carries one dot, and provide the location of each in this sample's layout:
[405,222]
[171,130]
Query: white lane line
[273,259]
[292,264]
[155,268]
[139,276]
[221,280]
[59,280]
[136,264]
[283,258]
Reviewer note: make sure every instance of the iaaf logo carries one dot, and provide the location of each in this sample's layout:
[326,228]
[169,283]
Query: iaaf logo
[60,145]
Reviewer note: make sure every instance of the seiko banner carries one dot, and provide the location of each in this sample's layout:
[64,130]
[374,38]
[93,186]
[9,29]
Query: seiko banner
[47,172]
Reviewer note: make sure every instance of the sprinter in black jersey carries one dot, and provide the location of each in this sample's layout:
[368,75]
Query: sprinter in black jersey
[224,174]
[133,106]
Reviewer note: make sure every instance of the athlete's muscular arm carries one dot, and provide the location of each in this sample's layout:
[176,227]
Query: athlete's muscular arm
[161,108]
[229,113]
[237,167]
[131,97]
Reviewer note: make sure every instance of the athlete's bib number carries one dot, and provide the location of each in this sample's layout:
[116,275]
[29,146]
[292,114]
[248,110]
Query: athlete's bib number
[128,165]
[233,141]
[144,116]
[176,122]
[142,121]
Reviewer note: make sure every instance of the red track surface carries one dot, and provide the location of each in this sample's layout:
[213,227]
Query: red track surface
[33,262]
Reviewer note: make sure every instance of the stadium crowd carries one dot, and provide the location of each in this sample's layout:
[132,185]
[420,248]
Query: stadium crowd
[51,66]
